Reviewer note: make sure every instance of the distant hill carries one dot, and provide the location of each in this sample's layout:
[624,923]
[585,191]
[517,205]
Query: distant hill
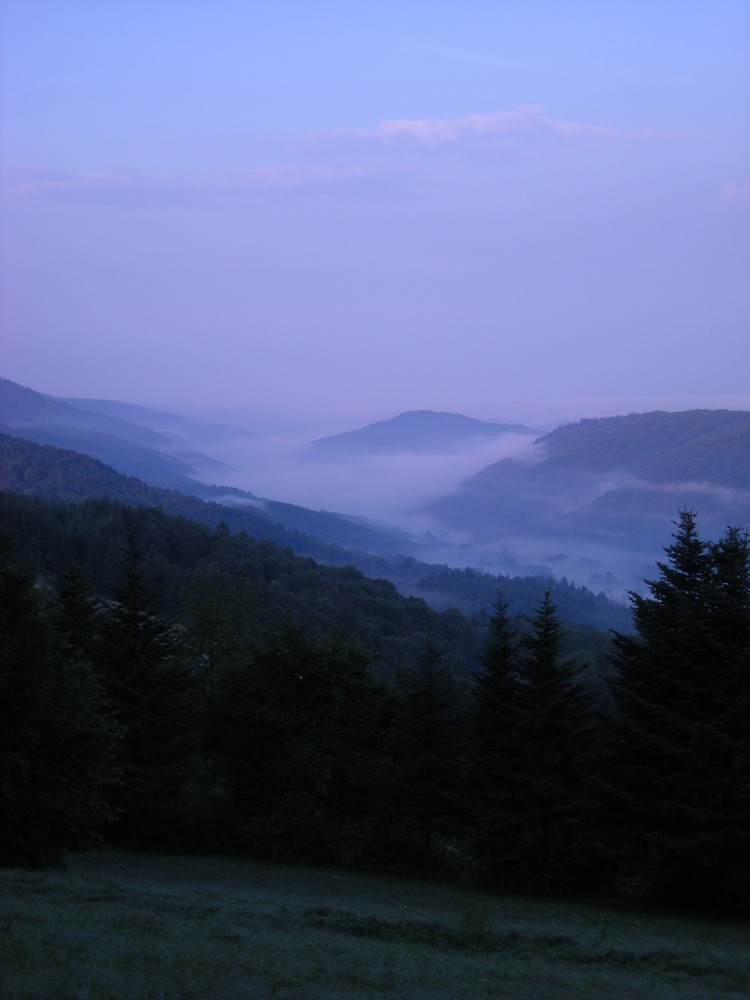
[415,432]
[596,499]
[129,447]
[124,438]
[708,446]
[173,425]
[62,475]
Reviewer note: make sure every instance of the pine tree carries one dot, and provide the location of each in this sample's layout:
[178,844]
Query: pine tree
[680,771]
[496,783]
[77,608]
[57,740]
[531,746]
[427,757]
[150,690]
[730,632]
[556,720]
[290,731]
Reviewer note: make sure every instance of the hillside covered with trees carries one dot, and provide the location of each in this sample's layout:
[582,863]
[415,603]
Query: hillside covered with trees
[198,691]
[60,474]
[590,499]
[693,445]
[415,432]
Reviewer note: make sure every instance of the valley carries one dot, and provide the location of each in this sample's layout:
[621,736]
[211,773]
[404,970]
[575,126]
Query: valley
[589,502]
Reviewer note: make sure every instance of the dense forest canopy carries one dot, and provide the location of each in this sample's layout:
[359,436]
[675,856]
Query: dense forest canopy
[187,674]
[59,474]
[201,691]
[590,499]
[416,432]
[698,445]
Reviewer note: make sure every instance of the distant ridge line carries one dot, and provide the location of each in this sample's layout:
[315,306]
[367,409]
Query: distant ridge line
[418,431]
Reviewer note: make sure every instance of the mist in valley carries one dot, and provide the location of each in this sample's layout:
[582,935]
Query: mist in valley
[387,488]
[398,493]
[496,506]
[320,221]
[591,501]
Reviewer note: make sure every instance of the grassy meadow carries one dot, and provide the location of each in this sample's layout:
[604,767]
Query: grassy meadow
[117,924]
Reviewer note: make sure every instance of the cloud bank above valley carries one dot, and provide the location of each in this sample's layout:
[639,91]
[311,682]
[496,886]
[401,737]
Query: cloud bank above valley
[389,488]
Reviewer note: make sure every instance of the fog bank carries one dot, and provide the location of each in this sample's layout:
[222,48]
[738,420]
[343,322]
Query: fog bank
[390,488]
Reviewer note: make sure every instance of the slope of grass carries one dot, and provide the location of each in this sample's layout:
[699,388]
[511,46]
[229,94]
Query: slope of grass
[127,925]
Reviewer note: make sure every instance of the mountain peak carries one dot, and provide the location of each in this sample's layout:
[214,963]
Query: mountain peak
[416,432]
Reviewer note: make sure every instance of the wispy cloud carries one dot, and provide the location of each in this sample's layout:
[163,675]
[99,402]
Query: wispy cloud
[525,120]
[94,184]
[316,161]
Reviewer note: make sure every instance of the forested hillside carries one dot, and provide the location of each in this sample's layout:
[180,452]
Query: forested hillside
[167,685]
[129,447]
[694,445]
[592,498]
[60,474]
[94,533]
[415,432]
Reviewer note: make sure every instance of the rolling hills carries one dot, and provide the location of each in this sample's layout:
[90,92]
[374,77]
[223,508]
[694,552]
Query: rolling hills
[415,432]
[590,502]
[596,497]
[63,475]
[108,433]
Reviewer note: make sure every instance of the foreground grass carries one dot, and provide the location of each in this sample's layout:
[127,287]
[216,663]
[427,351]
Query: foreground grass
[134,926]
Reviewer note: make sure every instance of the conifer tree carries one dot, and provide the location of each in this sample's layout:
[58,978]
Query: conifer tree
[427,755]
[681,689]
[290,728]
[77,608]
[57,741]
[150,692]
[497,783]
[531,734]
[556,720]
[730,626]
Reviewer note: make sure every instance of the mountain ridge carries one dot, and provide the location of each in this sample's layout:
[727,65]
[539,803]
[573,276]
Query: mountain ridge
[591,500]
[129,447]
[417,432]
[604,491]
[62,475]
[659,445]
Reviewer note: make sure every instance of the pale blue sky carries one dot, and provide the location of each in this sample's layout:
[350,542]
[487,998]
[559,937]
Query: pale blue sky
[352,209]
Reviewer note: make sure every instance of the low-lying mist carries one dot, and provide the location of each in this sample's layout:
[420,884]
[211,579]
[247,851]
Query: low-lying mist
[394,490]
[601,530]
[384,488]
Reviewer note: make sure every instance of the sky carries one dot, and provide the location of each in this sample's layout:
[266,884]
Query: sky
[335,212]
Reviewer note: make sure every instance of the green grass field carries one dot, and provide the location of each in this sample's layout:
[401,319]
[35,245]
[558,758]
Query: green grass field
[130,925]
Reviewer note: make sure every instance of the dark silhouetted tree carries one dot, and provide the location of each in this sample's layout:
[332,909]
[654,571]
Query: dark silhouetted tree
[533,721]
[427,755]
[496,783]
[681,751]
[140,656]
[57,741]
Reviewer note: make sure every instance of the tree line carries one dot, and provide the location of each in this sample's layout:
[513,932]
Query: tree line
[57,474]
[222,722]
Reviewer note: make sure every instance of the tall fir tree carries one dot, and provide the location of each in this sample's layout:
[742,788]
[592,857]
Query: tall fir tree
[681,749]
[531,755]
[496,783]
[427,759]
[730,628]
[77,608]
[291,732]
[139,655]
[556,722]
[57,740]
